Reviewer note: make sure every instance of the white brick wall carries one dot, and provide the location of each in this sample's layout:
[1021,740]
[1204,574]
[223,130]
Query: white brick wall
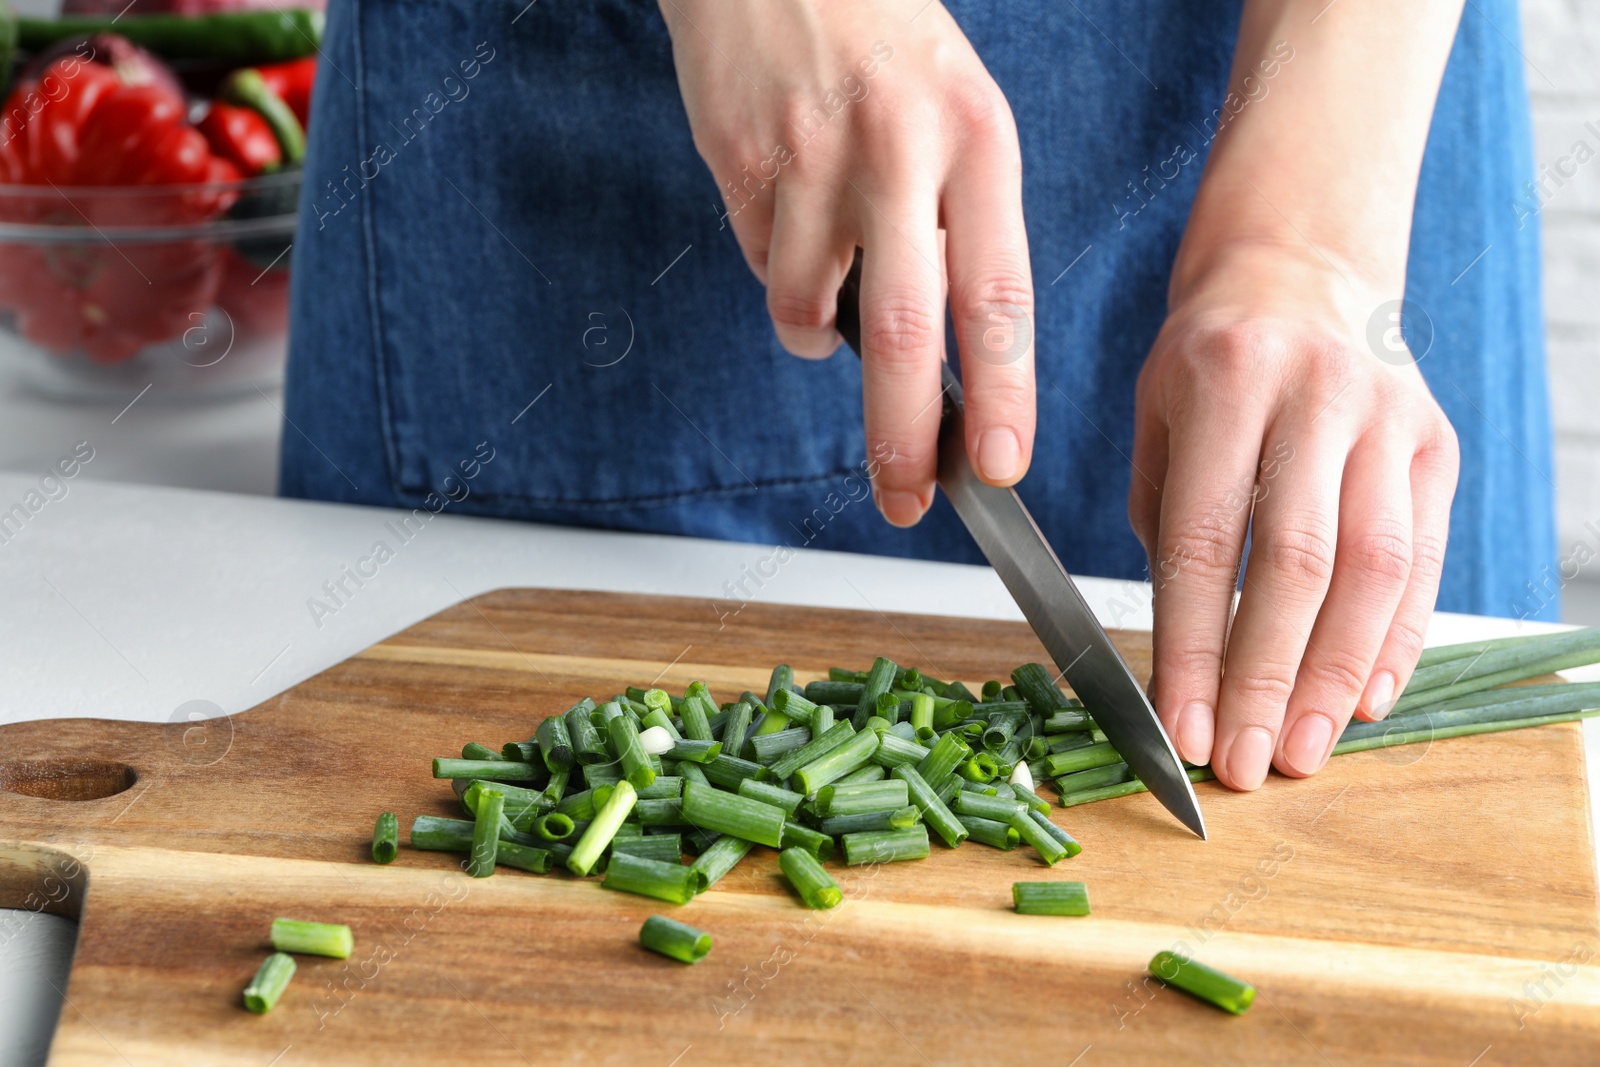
[1562,48]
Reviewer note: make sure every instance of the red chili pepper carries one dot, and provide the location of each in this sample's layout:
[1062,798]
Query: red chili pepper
[242,136]
[293,81]
[78,124]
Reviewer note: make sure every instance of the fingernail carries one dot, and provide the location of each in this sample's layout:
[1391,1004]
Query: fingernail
[1306,747]
[1379,697]
[900,506]
[1249,758]
[999,455]
[1195,723]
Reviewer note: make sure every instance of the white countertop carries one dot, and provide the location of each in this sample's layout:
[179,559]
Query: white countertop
[128,601]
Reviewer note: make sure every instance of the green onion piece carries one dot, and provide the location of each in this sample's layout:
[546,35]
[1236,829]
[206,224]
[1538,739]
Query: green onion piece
[832,691]
[435,834]
[733,733]
[691,772]
[888,708]
[557,787]
[312,939]
[271,979]
[767,793]
[580,805]
[474,751]
[1001,728]
[1037,684]
[886,846]
[667,811]
[996,807]
[486,833]
[1031,800]
[947,788]
[495,770]
[1108,792]
[879,681]
[604,827]
[727,771]
[782,678]
[896,819]
[521,752]
[894,750]
[1070,720]
[922,716]
[1068,742]
[815,842]
[822,721]
[386,838]
[657,717]
[869,772]
[958,691]
[844,674]
[815,885]
[523,857]
[989,832]
[671,882]
[1207,983]
[768,747]
[1064,839]
[1049,848]
[947,713]
[718,858]
[665,787]
[624,734]
[838,762]
[666,848]
[674,940]
[698,708]
[980,767]
[728,813]
[934,811]
[1051,898]
[1095,777]
[587,745]
[1081,759]
[553,826]
[596,775]
[866,796]
[695,751]
[945,755]
[555,744]
[795,706]
[837,734]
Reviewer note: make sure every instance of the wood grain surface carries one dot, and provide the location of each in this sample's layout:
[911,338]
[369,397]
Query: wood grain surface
[1423,905]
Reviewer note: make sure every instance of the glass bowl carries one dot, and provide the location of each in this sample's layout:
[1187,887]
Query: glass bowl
[184,289]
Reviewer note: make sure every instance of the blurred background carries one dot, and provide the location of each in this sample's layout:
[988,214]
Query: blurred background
[172,415]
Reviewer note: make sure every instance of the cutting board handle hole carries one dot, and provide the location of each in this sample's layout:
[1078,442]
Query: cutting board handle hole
[67,779]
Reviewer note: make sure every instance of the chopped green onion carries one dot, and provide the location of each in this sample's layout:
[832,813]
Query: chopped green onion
[865,796]
[837,693]
[815,842]
[867,772]
[838,762]
[728,771]
[1081,759]
[728,813]
[1064,839]
[698,708]
[996,807]
[668,848]
[386,838]
[897,819]
[671,882]
[894,750]
[521,752]
[1072,720]
[1095,777]
[980,767]
[768,747]
[555,744]
[312,939]
[583,735]
[880,679]
[819,745]
[939,816]
[553,826]
[737,726]
[270,980]
[1207,983]
[989,832]
[523,857]
[674,940]
[586,853]
[782,678]
[624,734]
[656,740]
[665,787]
[694,751]
[667,811]
[1050,898]
[486,833]
[946,754]
[815,885]
[1050,848]
[718,858]
[474,751]
[795,706]
[886,846]
[493,770]
[922,716]
[767,793]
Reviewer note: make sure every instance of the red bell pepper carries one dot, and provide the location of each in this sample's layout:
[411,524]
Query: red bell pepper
[243,137]
[79,124]
[293,81]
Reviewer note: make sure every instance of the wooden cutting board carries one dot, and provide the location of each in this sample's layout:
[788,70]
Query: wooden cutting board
[1428,904]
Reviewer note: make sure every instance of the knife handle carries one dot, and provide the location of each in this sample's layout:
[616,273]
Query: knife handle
[849,326]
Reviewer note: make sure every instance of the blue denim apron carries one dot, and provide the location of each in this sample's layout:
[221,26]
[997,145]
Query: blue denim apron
[507,239]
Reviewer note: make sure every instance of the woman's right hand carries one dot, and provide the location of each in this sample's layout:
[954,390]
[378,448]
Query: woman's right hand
[874,124]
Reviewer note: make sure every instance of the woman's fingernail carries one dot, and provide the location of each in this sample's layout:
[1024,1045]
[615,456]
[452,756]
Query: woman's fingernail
[1249,758]
[1306,747]
[999,455]
[1195,726]
[1379,697]
[900,506]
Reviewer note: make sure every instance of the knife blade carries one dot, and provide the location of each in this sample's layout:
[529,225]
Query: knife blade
[1014,546]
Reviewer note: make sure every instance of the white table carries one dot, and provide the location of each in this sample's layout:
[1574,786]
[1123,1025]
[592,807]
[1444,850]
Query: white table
[128,601]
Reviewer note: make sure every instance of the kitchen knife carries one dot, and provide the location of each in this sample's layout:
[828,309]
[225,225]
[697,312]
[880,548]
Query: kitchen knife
[1049,599]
